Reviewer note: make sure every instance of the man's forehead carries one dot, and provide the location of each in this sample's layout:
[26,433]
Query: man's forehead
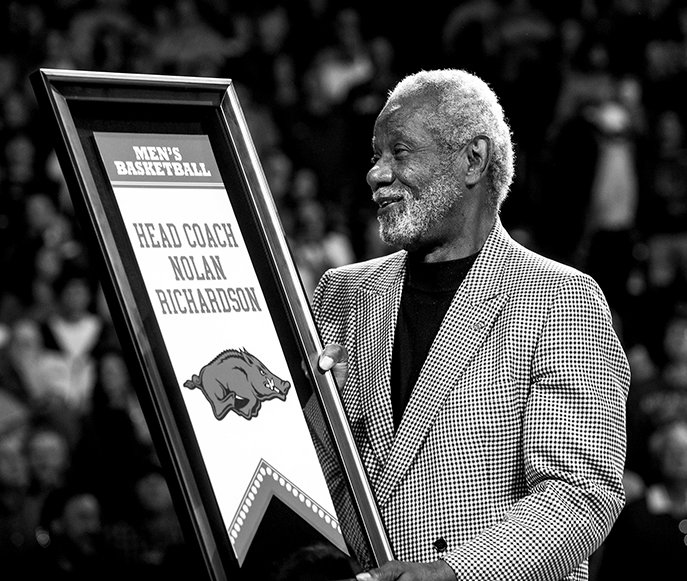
[403,106]
[400,117]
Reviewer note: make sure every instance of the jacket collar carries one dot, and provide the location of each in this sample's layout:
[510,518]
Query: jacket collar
[477,284]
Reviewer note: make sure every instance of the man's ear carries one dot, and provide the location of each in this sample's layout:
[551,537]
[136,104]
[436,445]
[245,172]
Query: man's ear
[478,152]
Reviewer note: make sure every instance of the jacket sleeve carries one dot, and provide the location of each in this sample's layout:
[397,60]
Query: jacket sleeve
[573,448]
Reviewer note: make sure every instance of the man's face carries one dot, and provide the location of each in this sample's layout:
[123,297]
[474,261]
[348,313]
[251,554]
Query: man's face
[76,296]
[414,179]
[48,455]
[14,472]
[153,493]
[676,339]
[674,458]
[81,524]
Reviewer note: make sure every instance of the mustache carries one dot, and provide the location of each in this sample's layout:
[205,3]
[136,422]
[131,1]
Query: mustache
[387,194]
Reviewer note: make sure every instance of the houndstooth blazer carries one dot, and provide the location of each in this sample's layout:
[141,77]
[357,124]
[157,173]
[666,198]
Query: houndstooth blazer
[509,457]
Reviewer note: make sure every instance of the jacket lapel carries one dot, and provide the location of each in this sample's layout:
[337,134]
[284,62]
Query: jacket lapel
[377,308]
[466,325]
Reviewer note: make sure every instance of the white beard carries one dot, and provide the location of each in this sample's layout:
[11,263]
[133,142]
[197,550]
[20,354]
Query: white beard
[410,222]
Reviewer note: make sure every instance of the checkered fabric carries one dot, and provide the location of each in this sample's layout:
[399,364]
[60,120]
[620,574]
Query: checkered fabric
[509,457]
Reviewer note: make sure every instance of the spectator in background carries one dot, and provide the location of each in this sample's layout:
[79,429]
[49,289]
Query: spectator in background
[524,39]
[185,43]
[320,134]
[366,97]
[665,73]
[47,266]
[18,178]
[22,370]
[58,51]
[100,32]
[71,539]
[269,65]
[648,539]
[17,517]
[346,62]
[594,179]
[663,211]
[306,185]
[49,457]
[606,249]
[14,415]
[147,535]
[47,236]
[73,333]
[18,112]
[115,442]
[662,397]
[24,32]
[36,378]
[570,159]
[280,173]
[317,244]
[468,35]
[525,55]
[161,57]
[265,133]
[644,373]
[586,76]
[9,79]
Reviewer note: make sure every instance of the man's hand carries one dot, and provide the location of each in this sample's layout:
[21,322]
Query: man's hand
[400,571]
[334,358]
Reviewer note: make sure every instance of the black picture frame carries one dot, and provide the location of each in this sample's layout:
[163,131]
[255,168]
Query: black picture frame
[83,108]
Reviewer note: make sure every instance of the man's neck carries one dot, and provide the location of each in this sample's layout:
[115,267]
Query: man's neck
[462,246]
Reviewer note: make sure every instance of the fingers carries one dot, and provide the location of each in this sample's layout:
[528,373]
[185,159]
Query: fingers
[334,358]
[332,355]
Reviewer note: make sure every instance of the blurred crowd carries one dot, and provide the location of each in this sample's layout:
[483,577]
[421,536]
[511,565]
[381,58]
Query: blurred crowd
[595,92]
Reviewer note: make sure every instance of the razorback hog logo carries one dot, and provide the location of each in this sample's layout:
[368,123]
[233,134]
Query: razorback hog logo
[237,381]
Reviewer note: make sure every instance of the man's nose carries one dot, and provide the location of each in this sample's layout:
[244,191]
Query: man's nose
[379,174]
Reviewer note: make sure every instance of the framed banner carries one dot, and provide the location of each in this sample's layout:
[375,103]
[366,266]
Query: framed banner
[208,304]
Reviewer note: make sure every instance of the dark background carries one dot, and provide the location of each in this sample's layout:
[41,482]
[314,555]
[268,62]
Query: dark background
[594,91]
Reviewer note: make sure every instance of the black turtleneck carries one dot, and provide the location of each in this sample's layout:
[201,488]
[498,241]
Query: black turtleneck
[428,290]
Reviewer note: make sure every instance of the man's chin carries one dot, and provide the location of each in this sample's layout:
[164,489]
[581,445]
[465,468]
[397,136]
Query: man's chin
[399,240]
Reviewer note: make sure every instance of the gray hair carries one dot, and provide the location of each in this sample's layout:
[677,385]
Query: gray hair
[466,107]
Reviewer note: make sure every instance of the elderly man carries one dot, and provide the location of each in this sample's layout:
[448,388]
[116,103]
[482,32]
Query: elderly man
[484,383]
